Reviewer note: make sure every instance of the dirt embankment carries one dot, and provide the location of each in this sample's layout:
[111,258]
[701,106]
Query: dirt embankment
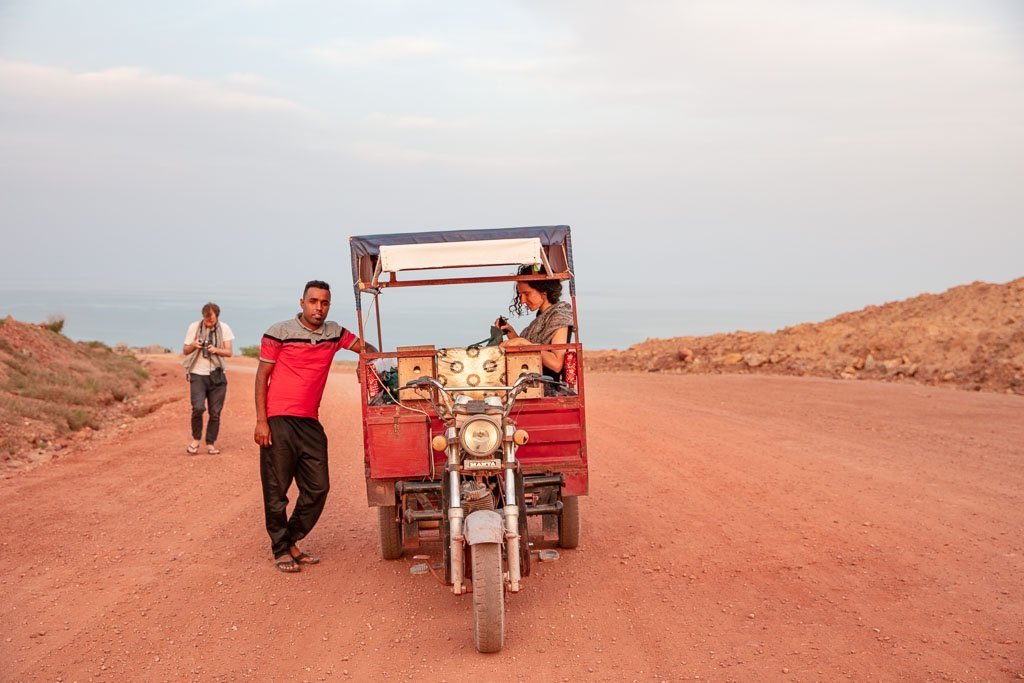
[970,337]
[54,392]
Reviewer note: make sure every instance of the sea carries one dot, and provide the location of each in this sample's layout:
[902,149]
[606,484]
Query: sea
[444,316]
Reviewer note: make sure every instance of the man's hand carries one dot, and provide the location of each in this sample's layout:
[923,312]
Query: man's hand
[262,434]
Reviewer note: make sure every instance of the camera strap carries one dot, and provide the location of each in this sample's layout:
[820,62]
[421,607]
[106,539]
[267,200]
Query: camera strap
[202,336]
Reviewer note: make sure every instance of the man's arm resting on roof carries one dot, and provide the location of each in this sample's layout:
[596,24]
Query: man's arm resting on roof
[363,347]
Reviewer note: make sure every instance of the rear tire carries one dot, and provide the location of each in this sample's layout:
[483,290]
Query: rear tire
[488,597]
[569,523]
[390,532]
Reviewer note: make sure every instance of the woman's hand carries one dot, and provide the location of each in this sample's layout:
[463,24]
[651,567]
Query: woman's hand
[504,326]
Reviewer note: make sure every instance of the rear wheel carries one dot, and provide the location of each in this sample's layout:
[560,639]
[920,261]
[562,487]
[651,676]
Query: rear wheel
[569,523]
[390,532]
[488,597]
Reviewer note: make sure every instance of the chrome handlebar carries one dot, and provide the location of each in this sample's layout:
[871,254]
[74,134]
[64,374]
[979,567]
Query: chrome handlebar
[511,392]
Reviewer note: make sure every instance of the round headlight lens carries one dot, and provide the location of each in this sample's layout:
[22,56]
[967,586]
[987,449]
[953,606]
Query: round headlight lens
[480,437]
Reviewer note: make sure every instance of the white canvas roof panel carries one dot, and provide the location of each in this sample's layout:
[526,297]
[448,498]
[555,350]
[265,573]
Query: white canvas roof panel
[398,257]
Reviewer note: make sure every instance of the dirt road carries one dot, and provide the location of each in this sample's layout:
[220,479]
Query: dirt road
[738,528]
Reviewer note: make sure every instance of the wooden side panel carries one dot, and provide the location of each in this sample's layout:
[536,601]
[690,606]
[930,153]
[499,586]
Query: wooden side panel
[414,368]
[398,447]
[519,364]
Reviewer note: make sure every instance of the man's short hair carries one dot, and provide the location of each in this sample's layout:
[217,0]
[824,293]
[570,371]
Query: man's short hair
[319,284]
[211,308]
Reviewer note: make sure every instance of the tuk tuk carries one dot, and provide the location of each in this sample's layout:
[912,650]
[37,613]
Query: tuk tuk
[463,445]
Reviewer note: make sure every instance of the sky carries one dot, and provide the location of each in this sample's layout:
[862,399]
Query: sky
[785,161]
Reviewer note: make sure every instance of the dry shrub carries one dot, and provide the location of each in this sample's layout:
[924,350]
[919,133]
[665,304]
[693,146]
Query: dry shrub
[54,323]
[54,380]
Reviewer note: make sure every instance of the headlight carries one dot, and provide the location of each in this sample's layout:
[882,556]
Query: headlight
[480,436]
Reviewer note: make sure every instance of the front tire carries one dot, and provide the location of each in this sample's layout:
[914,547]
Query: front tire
[390,532]
[488,597]
[569,523]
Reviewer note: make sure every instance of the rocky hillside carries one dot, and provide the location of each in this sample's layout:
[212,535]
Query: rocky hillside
[53,390]
[971,337]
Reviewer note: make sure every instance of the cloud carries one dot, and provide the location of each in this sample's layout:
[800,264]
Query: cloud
[497,65]
[351,53]
[251,81]
[20,80]
[414,122]
[793,58]
[381,153]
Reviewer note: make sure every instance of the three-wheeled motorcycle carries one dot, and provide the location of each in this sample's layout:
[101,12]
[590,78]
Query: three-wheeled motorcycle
[463,445]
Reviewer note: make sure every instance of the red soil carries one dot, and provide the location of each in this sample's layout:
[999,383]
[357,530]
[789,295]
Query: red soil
[738,528]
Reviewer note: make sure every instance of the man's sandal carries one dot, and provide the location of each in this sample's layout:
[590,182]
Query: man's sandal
[192,450]
[288,565]
[303,558]
[212,450]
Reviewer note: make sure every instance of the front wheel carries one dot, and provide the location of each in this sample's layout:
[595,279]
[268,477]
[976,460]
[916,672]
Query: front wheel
[569,523]
[390,532]
[488,597]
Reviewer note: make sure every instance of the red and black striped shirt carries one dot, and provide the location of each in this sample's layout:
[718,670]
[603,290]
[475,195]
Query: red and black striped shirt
[302,359]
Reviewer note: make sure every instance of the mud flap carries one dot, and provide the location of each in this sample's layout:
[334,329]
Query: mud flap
[484,526]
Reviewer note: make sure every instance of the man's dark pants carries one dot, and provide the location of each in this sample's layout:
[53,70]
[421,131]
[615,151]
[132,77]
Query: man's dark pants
[298,451]
[202,392]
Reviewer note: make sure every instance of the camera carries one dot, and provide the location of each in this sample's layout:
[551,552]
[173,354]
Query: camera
[205,346]
[502,321]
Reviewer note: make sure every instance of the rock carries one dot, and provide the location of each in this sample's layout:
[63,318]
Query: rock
[685,355]
[858,364]
[732,358]
[949,377]
[869,362]
[754,360]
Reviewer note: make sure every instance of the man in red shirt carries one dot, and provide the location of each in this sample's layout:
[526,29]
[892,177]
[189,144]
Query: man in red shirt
[295,360]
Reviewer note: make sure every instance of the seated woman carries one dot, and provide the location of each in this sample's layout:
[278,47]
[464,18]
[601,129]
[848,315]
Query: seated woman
[552,324]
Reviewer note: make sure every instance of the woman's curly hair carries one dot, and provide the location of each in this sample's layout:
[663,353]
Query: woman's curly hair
[552,289]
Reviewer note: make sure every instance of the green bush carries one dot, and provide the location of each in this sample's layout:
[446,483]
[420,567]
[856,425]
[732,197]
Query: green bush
[251,351]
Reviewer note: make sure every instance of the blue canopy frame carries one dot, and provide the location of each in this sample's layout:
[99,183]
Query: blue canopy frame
[365,249]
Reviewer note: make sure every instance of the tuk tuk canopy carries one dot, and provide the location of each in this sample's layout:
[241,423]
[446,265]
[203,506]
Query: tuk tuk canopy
[548,247]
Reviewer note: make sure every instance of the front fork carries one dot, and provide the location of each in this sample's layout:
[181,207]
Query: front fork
[455,514]
[458,541]
[511,512]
